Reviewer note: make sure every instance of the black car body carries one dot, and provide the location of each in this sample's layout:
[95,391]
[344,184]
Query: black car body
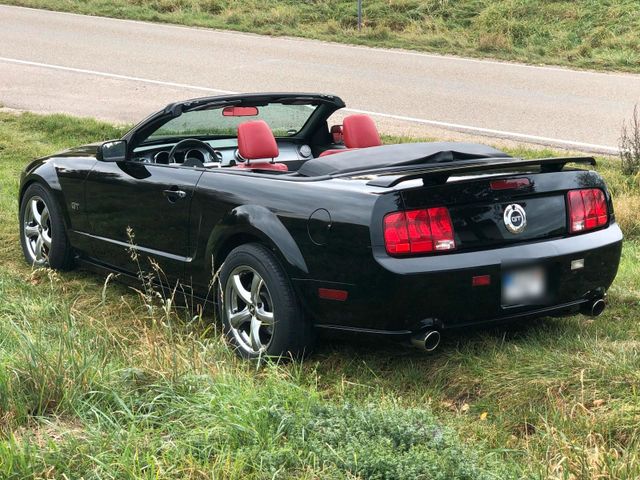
[325,221]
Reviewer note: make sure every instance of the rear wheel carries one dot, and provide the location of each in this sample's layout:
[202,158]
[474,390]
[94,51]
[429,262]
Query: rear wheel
[42,232]
[259,309]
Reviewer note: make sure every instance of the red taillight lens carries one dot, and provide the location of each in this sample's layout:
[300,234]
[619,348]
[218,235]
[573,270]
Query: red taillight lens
[418,231]
[441,229]
[587,209]
[396,235]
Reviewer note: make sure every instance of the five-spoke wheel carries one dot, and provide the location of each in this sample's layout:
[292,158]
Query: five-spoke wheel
[260,312]
[37,230]
[42,231]
[249,309]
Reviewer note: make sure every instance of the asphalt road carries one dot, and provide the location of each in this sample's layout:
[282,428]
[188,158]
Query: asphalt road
[123,70]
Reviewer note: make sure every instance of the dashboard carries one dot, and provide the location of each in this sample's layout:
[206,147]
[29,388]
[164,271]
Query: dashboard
[226,154]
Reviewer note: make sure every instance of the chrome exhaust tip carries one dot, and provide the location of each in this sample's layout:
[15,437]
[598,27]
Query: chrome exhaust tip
[598,307]
[595,308]
[427,341]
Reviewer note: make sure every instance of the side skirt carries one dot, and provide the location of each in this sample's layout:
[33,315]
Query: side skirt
[132,280]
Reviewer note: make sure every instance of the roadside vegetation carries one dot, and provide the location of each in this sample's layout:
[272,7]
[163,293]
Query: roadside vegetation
[630,145]
[98,382]
[582,33]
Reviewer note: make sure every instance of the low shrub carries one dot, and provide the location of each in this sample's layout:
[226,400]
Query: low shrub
[630,144]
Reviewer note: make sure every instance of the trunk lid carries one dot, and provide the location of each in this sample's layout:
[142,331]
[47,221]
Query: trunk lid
[485,217]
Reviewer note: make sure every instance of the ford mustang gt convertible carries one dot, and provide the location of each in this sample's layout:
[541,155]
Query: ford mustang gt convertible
[314,226]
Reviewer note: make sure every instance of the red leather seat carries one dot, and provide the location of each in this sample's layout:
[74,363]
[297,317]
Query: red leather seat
[359,131]
[256,142]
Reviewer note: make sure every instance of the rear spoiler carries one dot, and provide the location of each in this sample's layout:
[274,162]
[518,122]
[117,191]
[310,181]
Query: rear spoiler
[440,172]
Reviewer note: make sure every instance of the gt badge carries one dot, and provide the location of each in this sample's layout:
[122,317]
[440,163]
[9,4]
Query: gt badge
[515,218]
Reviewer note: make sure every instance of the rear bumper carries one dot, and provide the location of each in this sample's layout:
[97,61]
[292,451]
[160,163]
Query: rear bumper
[554,310]
[410,294]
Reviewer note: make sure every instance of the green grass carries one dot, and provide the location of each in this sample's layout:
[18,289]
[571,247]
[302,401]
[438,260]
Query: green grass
[582,33]
[95,384]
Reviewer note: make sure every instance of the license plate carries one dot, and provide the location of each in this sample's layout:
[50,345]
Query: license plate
[523,287]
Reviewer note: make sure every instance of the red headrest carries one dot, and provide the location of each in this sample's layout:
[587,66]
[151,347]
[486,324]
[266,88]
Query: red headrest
[360,132]
[255,140]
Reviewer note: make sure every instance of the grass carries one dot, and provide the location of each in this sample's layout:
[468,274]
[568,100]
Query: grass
[582,33]
[96,384]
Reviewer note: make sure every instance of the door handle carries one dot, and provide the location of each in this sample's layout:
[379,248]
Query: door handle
[174,194]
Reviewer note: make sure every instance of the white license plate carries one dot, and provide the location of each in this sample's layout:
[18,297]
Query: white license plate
[522,287]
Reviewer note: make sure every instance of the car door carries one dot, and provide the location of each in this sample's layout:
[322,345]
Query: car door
[140,212]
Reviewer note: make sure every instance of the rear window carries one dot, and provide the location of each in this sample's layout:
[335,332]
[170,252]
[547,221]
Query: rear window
[284,120]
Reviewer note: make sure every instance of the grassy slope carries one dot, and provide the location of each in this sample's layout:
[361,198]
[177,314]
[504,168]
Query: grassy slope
[94,384]
[582,33]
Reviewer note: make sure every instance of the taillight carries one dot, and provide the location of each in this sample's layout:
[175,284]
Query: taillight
[587,209]
[418,231]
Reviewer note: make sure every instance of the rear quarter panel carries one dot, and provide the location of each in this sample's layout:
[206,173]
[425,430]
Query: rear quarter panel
[332,247]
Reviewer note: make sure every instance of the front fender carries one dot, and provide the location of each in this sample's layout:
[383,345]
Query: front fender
[258,222]
[43,172]
[40,170]
[63,174]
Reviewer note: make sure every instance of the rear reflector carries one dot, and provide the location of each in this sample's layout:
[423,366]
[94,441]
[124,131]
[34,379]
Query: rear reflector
[587,209]
[418,231]
[481,280]
[333,294]
[510,183]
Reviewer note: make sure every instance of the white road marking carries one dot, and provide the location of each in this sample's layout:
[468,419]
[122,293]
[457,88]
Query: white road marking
[493,133]
[395,51]
[436,123]
[114,75]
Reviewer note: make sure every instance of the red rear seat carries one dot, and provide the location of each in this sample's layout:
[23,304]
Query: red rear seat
[359,132]
[256,141]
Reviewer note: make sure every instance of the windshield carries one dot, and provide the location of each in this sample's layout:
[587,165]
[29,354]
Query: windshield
[284,120]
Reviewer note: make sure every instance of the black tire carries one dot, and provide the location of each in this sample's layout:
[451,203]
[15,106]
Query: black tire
[290,334]
[59,255]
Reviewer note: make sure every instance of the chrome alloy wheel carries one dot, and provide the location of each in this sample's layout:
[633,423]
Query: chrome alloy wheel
[249,309]
[37,230]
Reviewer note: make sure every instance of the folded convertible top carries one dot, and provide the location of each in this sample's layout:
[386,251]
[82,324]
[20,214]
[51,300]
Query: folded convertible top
[393,156]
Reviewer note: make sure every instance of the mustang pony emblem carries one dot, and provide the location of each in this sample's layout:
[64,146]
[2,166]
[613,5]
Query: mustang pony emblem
[515,218]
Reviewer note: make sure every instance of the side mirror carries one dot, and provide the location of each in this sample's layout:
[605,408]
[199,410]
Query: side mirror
[336,134]
[114,151]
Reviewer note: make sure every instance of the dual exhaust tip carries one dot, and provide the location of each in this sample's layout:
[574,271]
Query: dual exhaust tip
[426,341]
[430,340]
[594,308]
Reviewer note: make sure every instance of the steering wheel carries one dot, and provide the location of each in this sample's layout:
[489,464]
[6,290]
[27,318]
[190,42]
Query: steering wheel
[191,142]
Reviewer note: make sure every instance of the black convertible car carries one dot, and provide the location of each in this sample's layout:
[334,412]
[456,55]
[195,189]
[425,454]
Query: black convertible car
[317,227]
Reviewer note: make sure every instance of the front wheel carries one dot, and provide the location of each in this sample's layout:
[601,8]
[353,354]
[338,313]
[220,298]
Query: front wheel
[260,312]
[42,232]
